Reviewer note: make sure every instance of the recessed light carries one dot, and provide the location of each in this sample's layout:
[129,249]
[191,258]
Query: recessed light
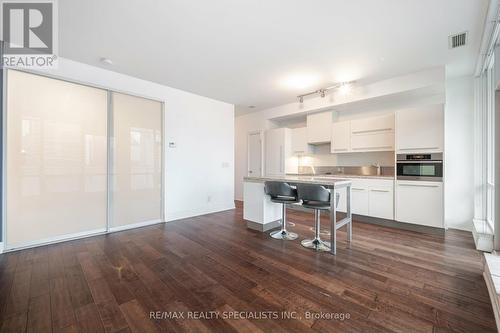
[107,61]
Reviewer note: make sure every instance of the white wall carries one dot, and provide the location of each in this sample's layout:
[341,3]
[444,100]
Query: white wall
[200,171]
[459,150]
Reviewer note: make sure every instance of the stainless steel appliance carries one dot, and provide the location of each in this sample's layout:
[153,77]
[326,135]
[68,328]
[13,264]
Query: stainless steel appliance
[423,167]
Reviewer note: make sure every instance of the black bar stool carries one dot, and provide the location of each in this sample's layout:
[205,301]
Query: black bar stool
[282,193]
[316,197]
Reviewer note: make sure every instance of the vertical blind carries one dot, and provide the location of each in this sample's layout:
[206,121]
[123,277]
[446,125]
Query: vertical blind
[136,165]
[57,160]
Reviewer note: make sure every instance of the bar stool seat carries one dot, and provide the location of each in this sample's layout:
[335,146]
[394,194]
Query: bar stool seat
[284,194]
[317,205]
[316,197]
[285,200]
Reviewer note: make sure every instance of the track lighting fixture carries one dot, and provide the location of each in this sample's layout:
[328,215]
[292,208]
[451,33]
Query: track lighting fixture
[342,86]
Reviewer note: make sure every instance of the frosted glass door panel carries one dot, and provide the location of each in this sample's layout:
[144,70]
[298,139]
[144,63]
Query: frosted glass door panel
[137,133]
[56,159]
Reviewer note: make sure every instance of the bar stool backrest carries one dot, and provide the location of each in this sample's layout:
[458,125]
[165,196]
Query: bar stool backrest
[311,192]
[279,189]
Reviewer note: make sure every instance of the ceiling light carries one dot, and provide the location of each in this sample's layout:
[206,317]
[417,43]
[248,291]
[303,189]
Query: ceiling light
[299,81]
[107,61]
[345,87]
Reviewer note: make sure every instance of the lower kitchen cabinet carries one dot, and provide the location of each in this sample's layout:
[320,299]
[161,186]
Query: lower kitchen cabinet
[381,203]
[370,197]
[420,202]
[359,197]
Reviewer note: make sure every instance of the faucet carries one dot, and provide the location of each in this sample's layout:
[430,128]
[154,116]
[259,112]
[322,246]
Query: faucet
[377,165]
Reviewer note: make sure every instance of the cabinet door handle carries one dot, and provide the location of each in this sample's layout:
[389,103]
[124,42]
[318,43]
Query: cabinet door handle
[377,190]
[379,147]
[372,130]
[339,149]
[418,148]
[357,189]
[418,185]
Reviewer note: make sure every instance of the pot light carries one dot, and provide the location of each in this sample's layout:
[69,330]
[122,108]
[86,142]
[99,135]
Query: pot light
[107,61]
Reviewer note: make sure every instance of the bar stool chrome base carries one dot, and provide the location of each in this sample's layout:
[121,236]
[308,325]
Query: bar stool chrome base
[316,244]
[284,234]
[325,232]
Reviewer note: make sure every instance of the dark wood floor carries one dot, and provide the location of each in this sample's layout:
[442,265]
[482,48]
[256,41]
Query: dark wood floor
[389,280]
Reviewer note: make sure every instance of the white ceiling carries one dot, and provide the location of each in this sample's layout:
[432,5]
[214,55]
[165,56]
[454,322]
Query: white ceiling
[243,52]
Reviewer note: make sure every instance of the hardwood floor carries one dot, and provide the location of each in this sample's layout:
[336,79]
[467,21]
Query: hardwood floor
[389,280]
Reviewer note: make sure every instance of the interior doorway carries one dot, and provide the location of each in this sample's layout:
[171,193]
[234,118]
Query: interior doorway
[255,152]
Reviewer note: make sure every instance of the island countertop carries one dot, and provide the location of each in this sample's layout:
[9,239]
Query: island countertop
[330,181]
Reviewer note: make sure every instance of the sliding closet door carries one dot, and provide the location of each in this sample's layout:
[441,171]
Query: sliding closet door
[56,158]
[136,195]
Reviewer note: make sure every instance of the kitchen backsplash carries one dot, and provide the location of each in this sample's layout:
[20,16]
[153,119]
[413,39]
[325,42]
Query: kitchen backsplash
[323,157]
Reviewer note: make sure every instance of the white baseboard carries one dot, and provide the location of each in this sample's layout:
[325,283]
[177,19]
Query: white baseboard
[52,240]
[135,225]
[200,211]
[1,247]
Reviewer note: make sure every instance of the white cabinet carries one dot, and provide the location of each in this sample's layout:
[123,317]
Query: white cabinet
[420,203]
[278,152]
[372,142]
[319,127]
[383,123]
[420,129]
[341,137]
[381,201]
[370,197]
[299,141]
[359,200]
[373,134]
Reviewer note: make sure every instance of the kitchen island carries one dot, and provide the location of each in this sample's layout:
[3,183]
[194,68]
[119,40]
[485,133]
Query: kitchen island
[262,214]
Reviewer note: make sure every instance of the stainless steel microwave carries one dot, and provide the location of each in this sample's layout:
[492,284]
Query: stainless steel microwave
[423,167]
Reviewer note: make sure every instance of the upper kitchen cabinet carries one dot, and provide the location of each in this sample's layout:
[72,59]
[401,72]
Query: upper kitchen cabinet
[420,129]
[278,152]
[341,137]
[373,134]
[319,127]
[299,141]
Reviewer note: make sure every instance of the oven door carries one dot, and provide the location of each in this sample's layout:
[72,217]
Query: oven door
[420,170]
